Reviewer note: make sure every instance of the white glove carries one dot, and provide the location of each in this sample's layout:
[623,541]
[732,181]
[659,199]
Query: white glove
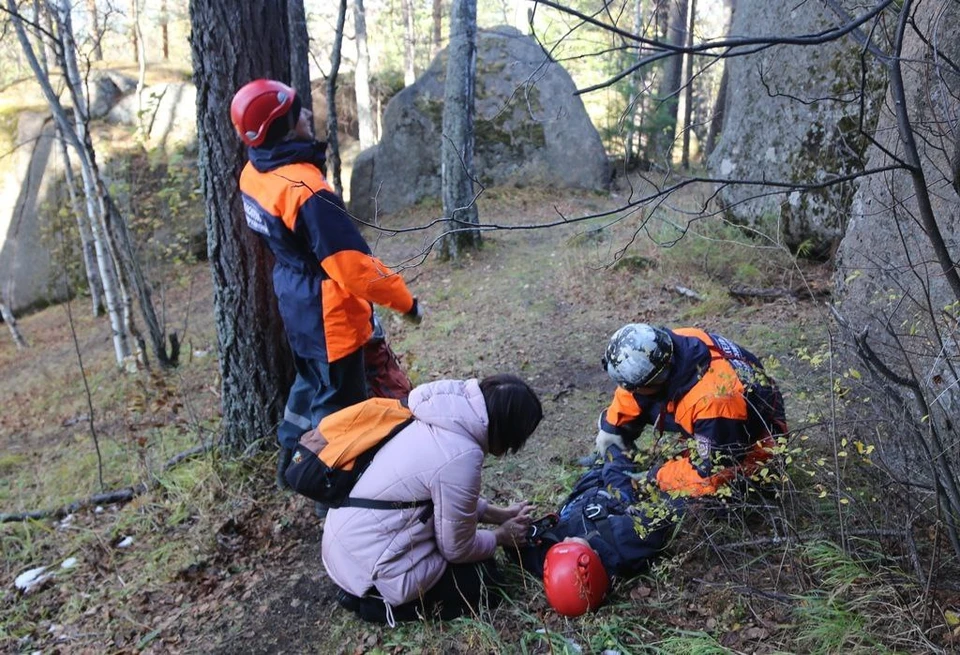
[606,439]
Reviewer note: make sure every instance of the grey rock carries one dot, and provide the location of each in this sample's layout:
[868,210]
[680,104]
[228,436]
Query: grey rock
[888,277]
[791,116]
[531,129]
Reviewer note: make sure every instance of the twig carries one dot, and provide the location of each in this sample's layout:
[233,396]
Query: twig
[749,591]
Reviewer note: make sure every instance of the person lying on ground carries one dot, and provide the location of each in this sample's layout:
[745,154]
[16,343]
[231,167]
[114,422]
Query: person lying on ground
[401,564]
[610,526]
[700,385]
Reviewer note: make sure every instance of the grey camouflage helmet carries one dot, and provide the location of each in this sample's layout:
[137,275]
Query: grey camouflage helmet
[638,355]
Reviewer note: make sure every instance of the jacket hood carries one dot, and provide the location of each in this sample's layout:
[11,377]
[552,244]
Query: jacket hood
[289,152]
[454,405]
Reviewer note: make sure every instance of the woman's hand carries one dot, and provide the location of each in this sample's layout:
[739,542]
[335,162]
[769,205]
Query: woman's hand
[499,515]
[513,532]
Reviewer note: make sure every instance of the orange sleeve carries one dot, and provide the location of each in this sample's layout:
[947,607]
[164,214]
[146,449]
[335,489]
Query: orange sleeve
[367,277]
[623,410]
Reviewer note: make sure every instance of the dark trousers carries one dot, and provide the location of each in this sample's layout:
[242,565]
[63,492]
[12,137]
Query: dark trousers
[321,389]
[461,588]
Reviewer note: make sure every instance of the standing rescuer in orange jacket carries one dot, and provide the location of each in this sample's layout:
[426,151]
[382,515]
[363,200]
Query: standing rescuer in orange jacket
[325,276]
[711,391]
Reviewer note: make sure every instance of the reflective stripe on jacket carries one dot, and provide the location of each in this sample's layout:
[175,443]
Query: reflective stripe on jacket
[325,276]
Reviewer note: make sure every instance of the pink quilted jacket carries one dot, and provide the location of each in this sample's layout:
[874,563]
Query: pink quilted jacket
[400,554]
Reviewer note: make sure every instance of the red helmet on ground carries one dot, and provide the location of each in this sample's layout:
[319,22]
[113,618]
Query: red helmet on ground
[257,105]
[574,578]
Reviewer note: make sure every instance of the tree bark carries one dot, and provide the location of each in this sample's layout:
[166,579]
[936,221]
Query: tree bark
[299,53]
[11,322]
[165,30]
[233,43]
[333,141]
[409,40]
[362,78]
[456,150]
[134,37]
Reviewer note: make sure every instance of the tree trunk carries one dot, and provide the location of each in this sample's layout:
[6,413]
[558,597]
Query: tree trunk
[362,78]
[456,150]
[11,322]
[688,93]
[96,34]
[69,130]
[299,52]
[141,70]
[165,30]
[333,142]
[671,84]
[409,39]
[233,43]
[134,37]
[437,26]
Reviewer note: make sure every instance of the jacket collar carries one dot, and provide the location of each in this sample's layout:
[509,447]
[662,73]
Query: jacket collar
[288,152]
[691,359]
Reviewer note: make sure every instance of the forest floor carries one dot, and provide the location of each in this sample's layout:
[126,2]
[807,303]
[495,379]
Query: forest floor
[212,558]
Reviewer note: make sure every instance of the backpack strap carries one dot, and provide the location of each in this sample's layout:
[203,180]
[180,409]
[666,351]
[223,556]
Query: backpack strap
[368,503]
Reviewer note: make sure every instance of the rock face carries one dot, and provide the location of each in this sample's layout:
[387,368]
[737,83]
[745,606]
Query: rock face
[25,263]
[530,130]
[792,116]
[888,275]
[170,114]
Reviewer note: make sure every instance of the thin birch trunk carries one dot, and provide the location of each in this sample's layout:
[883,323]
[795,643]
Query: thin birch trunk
[333,159]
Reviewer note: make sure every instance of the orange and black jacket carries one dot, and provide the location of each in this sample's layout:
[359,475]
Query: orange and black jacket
[325,276]
[717,394]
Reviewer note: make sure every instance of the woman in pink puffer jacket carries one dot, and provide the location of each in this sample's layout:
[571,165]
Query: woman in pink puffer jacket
[393,564]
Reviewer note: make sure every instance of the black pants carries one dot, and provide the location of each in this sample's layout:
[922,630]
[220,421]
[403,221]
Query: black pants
[462,587]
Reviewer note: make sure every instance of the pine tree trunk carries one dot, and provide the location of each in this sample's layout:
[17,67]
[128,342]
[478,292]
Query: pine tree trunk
[362,78]
[233,43]
[456,150]
[164,30]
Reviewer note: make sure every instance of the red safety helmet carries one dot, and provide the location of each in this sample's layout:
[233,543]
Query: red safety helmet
[257,105]
[574,578]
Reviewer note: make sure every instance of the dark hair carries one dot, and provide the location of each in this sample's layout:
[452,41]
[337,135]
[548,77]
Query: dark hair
[281,127]
[513,411]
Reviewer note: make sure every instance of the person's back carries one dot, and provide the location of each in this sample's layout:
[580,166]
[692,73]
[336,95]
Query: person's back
[438,456]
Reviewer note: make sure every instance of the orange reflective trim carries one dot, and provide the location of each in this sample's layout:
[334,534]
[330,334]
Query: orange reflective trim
[346,320]
[366,276]
[623,409]
[355,429]
[283,190]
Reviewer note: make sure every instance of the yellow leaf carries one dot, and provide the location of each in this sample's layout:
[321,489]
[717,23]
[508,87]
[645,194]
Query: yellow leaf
[844,501]
[842,453]
[823,494]
[953,619]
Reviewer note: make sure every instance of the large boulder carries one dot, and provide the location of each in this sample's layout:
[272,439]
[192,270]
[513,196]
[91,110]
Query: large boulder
[169,112]
[530,127]
[26,266]
[792,116]
[894,294]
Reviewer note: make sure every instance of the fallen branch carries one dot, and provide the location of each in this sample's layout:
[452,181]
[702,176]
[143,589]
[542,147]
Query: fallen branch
[683,291]
[124,495]
[748,591]
[749,292]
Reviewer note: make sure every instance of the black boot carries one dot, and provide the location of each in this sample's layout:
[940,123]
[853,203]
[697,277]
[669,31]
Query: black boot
[283,461]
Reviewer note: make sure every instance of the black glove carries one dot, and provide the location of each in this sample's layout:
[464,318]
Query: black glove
[415,315]
[283,461]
